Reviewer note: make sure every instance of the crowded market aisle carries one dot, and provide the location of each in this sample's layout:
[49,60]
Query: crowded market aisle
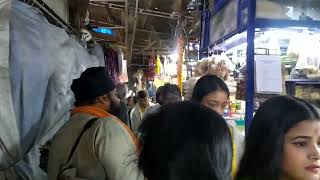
[87,92]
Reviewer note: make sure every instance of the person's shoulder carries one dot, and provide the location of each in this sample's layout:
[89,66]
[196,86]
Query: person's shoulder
[123,104]
[113,127]
[109,120]
[72,126]
[112,123]
[135,109]
[153,109]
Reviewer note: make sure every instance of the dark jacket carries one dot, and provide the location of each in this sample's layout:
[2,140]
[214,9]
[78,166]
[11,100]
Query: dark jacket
[122,113]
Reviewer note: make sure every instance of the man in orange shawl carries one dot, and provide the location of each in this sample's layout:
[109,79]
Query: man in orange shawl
[107,149]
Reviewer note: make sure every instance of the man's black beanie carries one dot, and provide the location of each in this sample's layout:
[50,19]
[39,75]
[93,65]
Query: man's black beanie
[92,83]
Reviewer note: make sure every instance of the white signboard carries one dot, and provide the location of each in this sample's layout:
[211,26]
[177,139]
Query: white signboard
[268,76]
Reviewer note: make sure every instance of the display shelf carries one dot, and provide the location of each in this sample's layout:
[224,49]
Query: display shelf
[303,80]
[276,23]
[248,22]
[291,85]
[309,83]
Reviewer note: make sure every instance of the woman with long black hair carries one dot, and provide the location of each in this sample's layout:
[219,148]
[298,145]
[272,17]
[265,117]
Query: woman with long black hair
[283,142]
[185,141]
[212,92]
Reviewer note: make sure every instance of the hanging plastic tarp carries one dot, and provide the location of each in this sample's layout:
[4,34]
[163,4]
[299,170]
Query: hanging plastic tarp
[43,62]
[97,51]
[9,136]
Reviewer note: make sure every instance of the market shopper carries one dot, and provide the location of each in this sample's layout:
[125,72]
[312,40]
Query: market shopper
[122,91]
[131,102]
[139,110]
[212,92]
[283,142]
[169,93]
[121,111]
[158,93]
[185,141]
[94,144]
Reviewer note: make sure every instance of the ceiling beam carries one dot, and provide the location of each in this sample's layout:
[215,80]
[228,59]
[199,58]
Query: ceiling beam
[107,38]
[109,15]
[148,47]
[153,32]
[155,48]
[78,11]
[158,52]
[119,26]
[147,12]
[104,23]
[107,0]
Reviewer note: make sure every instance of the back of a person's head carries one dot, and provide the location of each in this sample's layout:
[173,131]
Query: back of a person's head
[141,94]
[122,91]
[92,83]
[206,85]
[130,98]
[170,89]
[265,138]
[158,93]
[185,141]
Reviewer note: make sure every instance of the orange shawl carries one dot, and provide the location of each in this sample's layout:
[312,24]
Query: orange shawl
[100,113]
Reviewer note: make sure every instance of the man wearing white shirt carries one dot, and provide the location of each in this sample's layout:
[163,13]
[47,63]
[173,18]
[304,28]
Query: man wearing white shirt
[139,110]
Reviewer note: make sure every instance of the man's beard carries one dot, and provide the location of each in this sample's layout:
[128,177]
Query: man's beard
[115,108]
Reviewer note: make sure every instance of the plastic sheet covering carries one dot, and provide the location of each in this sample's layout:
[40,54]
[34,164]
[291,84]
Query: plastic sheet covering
[9,136]
[43,62]
[98,52]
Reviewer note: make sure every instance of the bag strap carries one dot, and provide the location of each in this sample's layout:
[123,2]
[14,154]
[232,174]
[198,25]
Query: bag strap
[85,128]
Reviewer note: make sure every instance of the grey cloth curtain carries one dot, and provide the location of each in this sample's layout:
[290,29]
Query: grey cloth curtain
[35,85]
[9,136]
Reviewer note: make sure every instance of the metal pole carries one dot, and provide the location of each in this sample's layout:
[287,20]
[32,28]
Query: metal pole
[105,23]
[250,62]
[158,15]
[127,27]
[148,46]
[134,29]
[187,55]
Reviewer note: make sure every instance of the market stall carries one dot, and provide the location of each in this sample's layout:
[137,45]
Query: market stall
[274,45]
